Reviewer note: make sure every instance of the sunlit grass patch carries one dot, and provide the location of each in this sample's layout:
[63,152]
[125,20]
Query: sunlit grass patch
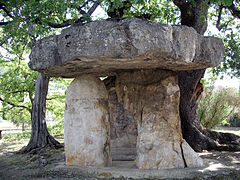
[17,136]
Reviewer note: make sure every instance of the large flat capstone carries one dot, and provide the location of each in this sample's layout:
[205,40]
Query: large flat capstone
[105,47]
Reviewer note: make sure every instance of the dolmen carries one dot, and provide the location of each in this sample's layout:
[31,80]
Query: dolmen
[125,90]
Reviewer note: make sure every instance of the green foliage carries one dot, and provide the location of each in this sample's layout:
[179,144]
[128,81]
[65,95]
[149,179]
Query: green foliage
[234,120]
[16,92]
[221,2]
[216,106]
[17,86]
[162,11]
[56,104]
[29,21]
[56,129]
[212,110]
[231,64]
[228,27]
[17,136]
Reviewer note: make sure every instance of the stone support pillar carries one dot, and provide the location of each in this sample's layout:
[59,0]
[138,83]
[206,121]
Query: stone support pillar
[152,97]
[86,123]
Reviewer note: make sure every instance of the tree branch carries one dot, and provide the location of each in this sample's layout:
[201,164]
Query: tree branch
[235,12]
[3,7]
[14,92]
[61,25]
[51,98]
[4,41]
[80,7]
[4,23]
[219,27]
[180,3]
[31,98]
[15,105]
[70,21]
[93,8]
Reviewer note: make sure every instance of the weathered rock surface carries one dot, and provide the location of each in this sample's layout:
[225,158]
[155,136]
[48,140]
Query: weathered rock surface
[152,98]
[123,127]
[104,47]
[86,123]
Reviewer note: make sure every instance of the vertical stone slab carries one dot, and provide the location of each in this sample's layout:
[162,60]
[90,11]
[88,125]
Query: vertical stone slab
[86,123]
[123,128]
[152,97]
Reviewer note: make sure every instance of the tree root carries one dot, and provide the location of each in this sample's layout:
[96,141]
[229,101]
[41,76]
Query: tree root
[206,139]
[224,141]
[34,147]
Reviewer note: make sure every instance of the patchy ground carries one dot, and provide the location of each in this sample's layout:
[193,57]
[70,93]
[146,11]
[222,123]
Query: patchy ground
[26,166]
[49,164]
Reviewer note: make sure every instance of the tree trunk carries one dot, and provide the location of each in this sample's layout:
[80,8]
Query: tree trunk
[198,137]
[40,136]
[23,123]
[23,126]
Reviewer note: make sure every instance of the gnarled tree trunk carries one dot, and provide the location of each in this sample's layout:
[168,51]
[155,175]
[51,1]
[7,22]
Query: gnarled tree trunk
[198,137]
[40,136]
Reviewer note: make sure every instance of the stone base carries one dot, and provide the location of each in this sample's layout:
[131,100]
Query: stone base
[86,124]
[127,170]
[152,98]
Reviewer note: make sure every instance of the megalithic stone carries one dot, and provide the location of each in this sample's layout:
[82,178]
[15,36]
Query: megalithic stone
[86,126]
[152,98]
[105,47]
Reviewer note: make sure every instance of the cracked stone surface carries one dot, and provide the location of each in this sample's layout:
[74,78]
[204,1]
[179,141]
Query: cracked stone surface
[106,47]
[123,127]
[86,123]
[152,98]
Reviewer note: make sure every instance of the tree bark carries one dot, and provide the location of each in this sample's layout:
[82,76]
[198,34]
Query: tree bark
[199,138]
[40,136]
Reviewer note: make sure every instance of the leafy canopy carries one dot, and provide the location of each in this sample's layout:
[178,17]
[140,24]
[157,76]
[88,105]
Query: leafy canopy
[22,23]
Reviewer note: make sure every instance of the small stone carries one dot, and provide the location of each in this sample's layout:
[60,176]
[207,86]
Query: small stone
[191,157]
[42,162]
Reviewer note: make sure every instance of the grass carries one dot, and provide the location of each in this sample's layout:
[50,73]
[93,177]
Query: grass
[11,133]
[11,137]
[17,136]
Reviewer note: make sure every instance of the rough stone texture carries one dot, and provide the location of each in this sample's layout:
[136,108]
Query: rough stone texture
[86,123]
[191,157]
[123,128]
[152,98]
[104,47]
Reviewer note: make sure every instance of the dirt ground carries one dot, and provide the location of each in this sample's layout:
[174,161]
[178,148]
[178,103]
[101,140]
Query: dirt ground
[49,164]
